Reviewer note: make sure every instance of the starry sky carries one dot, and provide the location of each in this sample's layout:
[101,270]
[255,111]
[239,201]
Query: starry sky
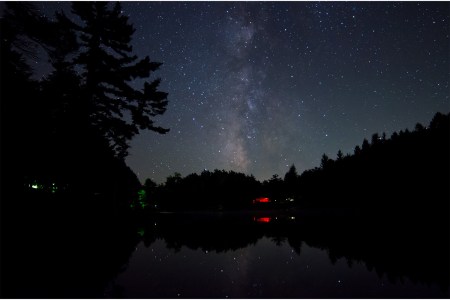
[255,87]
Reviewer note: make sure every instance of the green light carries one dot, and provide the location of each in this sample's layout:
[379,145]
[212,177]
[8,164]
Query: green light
[54,188]
[37,186]
[141,195]
[141,232]
[142,198]
[50,187]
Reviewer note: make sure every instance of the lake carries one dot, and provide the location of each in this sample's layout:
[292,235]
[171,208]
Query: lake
[245,256]
[254,254]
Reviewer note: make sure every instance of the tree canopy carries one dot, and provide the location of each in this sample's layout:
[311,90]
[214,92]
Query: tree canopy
[74,125]
[116,108]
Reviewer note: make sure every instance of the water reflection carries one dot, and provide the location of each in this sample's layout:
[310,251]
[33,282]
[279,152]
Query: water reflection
[276,256]
[263,254]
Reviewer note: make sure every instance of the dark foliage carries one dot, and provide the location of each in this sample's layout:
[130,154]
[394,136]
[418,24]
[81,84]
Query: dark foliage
[105,54]
[274,188]
[65,188]
[209,190]
[71,129]
[407,173]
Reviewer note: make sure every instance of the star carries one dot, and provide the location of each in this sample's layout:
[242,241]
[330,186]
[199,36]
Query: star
[253,78]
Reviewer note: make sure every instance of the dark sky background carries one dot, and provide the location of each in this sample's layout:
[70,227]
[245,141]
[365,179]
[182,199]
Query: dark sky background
[255,87]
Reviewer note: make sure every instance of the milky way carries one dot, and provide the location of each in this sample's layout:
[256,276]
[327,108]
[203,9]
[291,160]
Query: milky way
[240,107]
[257,86]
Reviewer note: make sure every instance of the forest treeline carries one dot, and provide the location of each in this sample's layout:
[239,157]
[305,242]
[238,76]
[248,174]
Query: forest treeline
[408,171]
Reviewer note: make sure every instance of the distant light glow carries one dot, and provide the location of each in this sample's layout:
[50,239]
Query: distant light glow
[262,220]
[261,200]
[141,232]
[141,195]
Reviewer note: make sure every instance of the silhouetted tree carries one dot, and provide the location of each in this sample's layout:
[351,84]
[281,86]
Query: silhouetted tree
[105,54]
[325,161]
[375,139]
[394,135]
[291,176]
[75,124]
[365,145]
[275,178]
[173,179]
[419,127]
[339,155]
[273,188]
[24,29]
[290,182]
[22,117]
[439,121]
[150,185]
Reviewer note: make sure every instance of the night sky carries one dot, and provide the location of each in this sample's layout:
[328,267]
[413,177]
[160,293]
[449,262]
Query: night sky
[255,87]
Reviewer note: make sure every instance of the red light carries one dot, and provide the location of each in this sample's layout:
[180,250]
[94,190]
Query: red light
[261,200]
[262,220]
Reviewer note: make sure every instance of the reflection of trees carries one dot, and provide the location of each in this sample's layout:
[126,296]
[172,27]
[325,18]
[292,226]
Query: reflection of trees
[295,243]
[395,254]
[278,240]
[395,248]
[204,232]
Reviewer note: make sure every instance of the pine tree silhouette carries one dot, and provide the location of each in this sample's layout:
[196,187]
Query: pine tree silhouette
[108,69]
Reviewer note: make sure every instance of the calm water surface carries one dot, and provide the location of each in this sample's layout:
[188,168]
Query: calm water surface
[237,255]
[268,266]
